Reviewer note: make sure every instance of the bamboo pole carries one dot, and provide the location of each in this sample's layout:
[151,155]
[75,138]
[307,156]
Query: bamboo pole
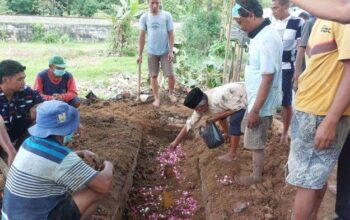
[228,36]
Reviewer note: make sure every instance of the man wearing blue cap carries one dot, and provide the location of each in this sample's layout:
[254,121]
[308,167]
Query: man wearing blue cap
[56,83]
[17,107]
[47,180]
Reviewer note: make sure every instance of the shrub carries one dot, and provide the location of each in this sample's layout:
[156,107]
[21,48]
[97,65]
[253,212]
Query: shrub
[38,32]
[51,37]
[200,30]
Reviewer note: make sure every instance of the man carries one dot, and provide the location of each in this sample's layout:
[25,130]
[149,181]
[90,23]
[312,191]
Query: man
[158,25]
[300,64]
[304,15]
[17,107]
[289,28]
[47,180]
[338,10]
[321,121]
[227,101]
[262,80]
[56,83]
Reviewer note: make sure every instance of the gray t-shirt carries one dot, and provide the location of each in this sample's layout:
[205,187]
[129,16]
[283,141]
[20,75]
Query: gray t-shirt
[305,34]
[157,28]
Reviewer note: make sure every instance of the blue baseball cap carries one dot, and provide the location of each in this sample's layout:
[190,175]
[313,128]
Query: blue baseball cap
[55,118]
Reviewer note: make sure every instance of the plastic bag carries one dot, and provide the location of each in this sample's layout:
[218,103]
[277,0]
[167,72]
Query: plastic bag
[212,135]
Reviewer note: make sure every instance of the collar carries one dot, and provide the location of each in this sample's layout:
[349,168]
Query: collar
[284,20]
[255,32]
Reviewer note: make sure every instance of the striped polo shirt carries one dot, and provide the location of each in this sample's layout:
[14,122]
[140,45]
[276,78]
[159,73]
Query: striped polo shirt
[290,32]
[43,172]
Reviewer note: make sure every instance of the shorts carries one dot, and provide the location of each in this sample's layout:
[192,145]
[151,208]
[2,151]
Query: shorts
[66,209]
[307,167]
[255,138]
[235,123]
[287,86]
[154,63]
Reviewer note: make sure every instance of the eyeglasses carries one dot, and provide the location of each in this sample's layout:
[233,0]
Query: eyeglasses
[240,11]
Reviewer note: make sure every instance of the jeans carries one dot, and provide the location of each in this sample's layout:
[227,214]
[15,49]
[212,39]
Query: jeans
[342,205]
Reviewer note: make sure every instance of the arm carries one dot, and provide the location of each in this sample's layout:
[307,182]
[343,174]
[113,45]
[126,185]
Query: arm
[298,66]
[5,142]
[192,121]
[179,138]
[326,131]
[336,10]
[264,89]
[102,183]
[142,37]
[171,45]
[223,115]
[72,91]
[38,85]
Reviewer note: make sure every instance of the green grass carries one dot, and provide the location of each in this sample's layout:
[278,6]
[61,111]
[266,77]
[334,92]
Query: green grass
[86,61]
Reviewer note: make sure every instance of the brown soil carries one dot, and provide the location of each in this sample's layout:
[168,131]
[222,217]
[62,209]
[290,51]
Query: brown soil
[132,135]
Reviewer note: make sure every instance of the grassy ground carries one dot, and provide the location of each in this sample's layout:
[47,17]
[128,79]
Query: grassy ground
[87,61]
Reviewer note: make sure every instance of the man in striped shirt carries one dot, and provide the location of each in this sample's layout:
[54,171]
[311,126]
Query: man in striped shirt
[47,180]
[289,28]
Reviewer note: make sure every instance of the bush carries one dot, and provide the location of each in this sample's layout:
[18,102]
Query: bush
[64,39]
[51,37]
[38,32]
[218,48]
[200,31]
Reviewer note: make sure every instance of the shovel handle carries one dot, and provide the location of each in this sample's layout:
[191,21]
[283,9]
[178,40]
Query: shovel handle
[139,83]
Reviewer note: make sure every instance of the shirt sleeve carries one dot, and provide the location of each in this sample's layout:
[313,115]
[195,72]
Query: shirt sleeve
[193,120]
[72,90]
[300,26]
[170,23]
[38,86]
[143,22]
[342,33]
[305,34]
[35,95]
[74,173]
[268,54]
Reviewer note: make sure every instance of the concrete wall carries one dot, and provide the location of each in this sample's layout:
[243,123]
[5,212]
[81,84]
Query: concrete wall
[20,28]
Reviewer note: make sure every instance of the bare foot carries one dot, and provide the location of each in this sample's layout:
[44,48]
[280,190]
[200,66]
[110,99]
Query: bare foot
[284,139]
[156,103]
[172,98]
[333,189]
[248,180]
[228,157]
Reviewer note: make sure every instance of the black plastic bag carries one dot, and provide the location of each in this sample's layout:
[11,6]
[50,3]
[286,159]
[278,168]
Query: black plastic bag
[212,135]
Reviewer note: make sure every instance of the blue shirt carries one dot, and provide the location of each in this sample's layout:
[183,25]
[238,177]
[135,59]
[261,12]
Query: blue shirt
[157,28]
[265,57]
[39,178]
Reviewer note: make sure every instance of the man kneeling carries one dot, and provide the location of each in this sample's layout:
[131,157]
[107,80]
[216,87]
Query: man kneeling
[47,180]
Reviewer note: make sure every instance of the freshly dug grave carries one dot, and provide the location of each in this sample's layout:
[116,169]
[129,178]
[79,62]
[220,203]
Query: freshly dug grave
[134,137]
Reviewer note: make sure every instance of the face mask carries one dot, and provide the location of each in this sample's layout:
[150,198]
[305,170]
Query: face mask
[67,138]
[59,72]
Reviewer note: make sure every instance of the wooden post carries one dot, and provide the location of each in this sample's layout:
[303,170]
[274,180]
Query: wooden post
[228,39]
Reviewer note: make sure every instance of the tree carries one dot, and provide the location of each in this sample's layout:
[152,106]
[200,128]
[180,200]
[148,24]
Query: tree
[21,6]
[42,7]
[121,32]
[84,7]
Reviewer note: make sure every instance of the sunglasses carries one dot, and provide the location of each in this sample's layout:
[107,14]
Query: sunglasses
[240,11]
